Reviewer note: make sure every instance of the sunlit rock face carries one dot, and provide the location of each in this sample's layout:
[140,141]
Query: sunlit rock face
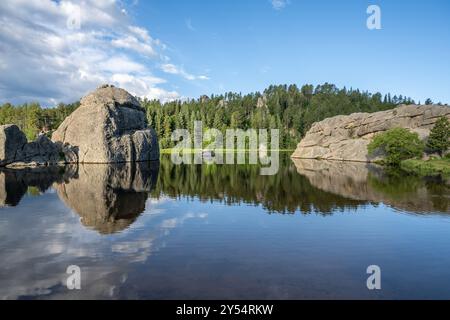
[347,137]
[368,182]
[109,127]
[109,198]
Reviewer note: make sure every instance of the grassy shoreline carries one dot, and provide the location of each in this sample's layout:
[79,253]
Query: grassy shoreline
[427,167]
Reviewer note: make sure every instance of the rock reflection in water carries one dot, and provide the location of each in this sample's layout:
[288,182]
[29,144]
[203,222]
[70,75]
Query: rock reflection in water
[109,198]
[368,182]
[14,183]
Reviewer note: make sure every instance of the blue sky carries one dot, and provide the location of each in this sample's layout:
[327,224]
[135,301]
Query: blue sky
[179,49]
[248,45]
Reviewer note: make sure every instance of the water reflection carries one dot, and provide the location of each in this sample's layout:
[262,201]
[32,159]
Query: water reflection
[14,184]
[109,198]
[285,192]
[305,186]
[158,230]
[367,182]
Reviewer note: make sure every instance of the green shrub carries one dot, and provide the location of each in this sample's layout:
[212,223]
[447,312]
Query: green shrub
[439,140]
[397,144]
[427,168]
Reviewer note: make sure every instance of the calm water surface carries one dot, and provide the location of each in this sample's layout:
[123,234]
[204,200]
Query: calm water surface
[160,231]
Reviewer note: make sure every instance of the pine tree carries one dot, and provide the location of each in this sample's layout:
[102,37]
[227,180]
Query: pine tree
[165,137]
[439,140]
[180,123]
[158,123]
[235,120]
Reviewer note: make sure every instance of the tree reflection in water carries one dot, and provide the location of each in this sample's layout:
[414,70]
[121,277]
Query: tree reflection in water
[109,198]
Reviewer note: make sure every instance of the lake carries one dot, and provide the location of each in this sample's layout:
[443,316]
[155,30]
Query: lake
[165,231]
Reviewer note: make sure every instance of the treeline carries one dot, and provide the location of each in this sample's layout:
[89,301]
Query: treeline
[31,118]
[290,109]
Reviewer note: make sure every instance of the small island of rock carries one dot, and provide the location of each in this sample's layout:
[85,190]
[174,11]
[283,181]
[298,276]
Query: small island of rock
[110,126]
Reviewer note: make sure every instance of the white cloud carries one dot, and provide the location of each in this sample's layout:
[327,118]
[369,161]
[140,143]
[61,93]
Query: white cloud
[55,51]
[121,64]
[132,43]
[279,4]
[145,87]
[140,32]
[189,24]
[163,95]
[173,69]
[170,68]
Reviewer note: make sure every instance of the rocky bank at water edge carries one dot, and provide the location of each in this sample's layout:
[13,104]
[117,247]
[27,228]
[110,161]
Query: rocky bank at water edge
[346,137]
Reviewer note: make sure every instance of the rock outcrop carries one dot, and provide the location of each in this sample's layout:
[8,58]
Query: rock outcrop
[15,151]
[110,126]
[11,140]
[346,137]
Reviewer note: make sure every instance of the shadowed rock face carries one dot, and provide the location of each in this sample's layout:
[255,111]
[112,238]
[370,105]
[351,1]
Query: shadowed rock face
[15,151]
[367,182]
[109,198]
[109,127]
[11,140]
[347,137]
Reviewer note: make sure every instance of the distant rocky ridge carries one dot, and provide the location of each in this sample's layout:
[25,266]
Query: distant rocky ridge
[347,137]
[110,126]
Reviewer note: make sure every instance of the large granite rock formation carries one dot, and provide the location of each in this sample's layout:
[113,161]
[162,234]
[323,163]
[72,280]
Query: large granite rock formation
[16,151]
[109,127]
[346,137]
[11,140]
